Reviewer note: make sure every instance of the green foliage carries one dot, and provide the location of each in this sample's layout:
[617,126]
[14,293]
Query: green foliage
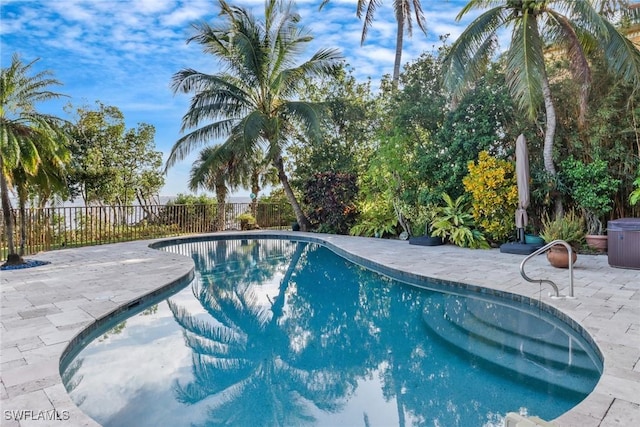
[494,195]
[275,205]
[454,222]
[611,133]
[192,199]
[376,218]
[592,188]
[112,164]
[421,218]
[246,217]
[569,227]
[34,152]
[634,197]
[247,221]
[484,120]
[420,102]
[330,199]
[344,140]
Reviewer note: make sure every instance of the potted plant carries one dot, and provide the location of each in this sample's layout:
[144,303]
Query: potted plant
[247,221]
[569,228]
[532,239]
[425,219]
[592,188]
[532,236]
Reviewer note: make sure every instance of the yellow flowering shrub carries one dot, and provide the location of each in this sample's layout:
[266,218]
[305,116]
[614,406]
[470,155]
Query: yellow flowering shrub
[494,195]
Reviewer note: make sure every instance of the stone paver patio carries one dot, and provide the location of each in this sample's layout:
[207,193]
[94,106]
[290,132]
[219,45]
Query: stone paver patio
[44,308]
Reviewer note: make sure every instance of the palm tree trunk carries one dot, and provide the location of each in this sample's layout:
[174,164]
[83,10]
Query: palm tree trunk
[399,42]
[549,136]
[277,305]
[304,223]
[255,189]
[22,201]
[7,214]
[221,197]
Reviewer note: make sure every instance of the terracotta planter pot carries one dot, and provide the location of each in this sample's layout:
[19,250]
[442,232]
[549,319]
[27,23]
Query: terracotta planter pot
[558,256]
[597,242]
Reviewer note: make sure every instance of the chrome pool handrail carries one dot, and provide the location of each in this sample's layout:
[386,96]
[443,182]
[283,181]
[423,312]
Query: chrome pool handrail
[550,282]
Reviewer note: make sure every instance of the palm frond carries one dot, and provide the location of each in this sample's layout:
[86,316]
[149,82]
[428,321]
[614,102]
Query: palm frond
[478,4]
[584,15]
[306,113]
[367,9]
[469,54]
[419,15]
[185,145]
[622,56]
[567,36]
[259,74]
[206,168]
[191,324]
[525,66]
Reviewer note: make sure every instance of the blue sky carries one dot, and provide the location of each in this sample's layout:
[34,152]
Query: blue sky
[124,52]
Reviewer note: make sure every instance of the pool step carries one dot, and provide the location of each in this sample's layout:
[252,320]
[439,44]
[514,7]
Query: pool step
[565,367]
[553,347]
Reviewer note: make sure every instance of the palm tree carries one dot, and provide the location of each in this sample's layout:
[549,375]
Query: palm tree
[28,138]
[403,11]
[221,170]
[49,178]
[251,101]
[262,173]
[573,25]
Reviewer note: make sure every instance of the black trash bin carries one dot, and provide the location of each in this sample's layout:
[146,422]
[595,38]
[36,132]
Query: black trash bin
[624,242]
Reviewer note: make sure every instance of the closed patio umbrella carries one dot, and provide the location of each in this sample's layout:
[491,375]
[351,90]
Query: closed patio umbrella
[522,179]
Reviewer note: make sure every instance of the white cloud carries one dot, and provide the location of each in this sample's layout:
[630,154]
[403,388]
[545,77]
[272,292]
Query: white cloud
[187,12]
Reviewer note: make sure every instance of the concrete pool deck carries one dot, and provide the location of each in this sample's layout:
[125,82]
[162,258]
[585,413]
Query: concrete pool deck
[44,308]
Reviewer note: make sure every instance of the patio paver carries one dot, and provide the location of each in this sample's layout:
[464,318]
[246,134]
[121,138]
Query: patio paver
[43,308]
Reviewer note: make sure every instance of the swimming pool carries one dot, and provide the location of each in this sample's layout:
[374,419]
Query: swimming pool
[278,332]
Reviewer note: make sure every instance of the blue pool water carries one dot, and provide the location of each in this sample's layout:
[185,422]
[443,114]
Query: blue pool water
[283,333]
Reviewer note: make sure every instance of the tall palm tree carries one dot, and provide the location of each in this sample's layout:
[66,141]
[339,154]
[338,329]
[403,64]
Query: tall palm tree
[576,26]
[28,138]
[251,103]
[403,9]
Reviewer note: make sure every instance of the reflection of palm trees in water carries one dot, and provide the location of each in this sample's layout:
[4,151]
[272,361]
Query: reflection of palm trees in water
[243,360]
[327,328]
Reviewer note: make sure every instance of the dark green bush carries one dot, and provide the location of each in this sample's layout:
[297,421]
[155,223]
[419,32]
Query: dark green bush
[330,201]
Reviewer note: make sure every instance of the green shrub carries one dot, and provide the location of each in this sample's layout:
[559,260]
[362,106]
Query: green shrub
[454,222]
[570,228]
[421,218]
[592,187]
[494,195]
[330,200]
[375,219]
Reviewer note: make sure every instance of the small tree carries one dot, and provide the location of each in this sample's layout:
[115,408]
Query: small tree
[592,188]
[112,164]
